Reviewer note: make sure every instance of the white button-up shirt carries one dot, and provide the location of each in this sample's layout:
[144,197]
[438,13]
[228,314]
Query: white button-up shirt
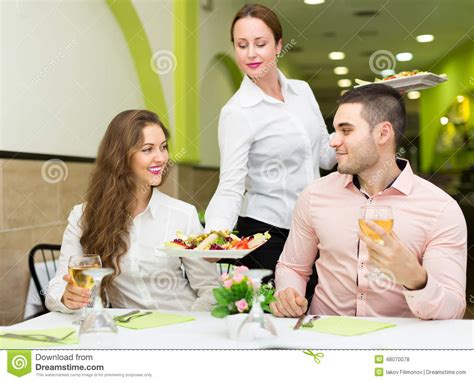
[270,151]
[148,279]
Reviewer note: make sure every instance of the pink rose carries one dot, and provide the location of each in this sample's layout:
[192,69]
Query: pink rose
[228,283]
[224,276]
[238,277]
[241,305]
[241,269]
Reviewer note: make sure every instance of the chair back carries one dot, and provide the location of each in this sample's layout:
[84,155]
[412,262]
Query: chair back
[42,263]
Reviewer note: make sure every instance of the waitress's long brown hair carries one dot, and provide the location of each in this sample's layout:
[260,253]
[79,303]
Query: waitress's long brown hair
[112,188]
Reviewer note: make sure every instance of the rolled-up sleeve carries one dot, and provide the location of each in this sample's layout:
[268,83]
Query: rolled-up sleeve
[201,274]
[235,138]
[70,246]
[299,254]
[445,258]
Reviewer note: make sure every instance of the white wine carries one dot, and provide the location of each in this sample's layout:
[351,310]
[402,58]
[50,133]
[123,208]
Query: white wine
[79,278]
[386,224]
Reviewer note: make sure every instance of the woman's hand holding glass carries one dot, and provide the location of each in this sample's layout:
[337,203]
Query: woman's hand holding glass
[75,297]
[79,286]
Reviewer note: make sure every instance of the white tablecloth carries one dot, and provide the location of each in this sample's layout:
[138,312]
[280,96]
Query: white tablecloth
[207,332]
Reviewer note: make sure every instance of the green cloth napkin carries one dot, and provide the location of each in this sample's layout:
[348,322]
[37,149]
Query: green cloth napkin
[155,320]
[347,326]
[14,343]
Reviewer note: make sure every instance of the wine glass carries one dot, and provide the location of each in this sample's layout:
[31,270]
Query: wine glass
[381,215]
[98,320]
[257,326]
[76,267]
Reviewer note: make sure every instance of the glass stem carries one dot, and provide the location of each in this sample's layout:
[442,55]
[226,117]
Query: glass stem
[257,307]
[83,314]
[97,299]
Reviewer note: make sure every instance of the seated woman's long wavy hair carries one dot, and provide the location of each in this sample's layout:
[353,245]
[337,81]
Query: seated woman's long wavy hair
[110,198]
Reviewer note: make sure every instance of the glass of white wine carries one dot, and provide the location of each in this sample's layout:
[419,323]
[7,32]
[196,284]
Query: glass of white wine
[98,320]
[76,266]
[378,214]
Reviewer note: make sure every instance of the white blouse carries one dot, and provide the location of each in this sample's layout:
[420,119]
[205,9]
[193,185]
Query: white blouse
[270,151]
[149,279]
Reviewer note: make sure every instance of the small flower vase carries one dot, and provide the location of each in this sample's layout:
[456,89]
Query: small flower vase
[233,322]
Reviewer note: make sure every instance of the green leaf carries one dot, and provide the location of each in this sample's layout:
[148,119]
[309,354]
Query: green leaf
[220,240]
[222,295]
[239,291]
[249,298]
[220,311]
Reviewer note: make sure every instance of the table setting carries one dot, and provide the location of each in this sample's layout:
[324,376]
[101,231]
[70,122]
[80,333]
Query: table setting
[240,319]
[200,330]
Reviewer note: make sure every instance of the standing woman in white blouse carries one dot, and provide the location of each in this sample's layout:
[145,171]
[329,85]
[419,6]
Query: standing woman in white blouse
[124,218]
[272,140]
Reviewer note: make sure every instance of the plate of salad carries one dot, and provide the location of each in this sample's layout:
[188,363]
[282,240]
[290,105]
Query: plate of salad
[215,244]
[408,80]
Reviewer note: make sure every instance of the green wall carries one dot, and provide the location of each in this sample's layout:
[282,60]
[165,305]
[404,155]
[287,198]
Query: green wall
[187,89]
[459,66]
[140,50]
[233,72]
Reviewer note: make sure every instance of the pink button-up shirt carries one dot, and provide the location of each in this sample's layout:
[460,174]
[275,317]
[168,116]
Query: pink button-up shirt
[325,230]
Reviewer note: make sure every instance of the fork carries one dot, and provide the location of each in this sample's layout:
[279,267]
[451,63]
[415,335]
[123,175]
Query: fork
[128,319]
[309,323]
[35,337]
[124,316]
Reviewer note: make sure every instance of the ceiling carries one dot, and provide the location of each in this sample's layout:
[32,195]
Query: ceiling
[361,27]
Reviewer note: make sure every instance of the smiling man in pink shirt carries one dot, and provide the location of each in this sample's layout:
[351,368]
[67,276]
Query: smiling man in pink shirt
[424,257]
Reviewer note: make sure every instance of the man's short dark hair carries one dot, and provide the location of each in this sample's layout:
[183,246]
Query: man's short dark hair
[379,103]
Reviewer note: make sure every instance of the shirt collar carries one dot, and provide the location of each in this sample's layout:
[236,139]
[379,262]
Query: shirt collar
[403,182]
[251,94]
[153,204]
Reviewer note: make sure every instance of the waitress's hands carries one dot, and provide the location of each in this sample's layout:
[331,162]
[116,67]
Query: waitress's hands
[211,260]
[74,297]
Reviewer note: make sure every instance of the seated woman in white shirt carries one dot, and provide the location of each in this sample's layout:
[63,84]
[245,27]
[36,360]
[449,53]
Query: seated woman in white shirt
[124,218]
[272,140]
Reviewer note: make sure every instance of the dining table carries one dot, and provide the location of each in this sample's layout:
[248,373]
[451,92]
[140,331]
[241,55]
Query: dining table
[208,332]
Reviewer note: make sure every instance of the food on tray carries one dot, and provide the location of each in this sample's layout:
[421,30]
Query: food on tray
[404,74]
[217,240]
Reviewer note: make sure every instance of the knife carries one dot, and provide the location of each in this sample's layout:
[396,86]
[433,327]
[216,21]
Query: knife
[126,315]
[26,337]
[130,318]
[299,322]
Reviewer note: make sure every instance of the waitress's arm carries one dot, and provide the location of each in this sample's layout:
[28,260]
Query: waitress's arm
[326,155]
[235,138]
[202,275]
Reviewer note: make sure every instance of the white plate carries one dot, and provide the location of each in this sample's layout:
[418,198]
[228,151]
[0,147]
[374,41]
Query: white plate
[416,82]
[212,253]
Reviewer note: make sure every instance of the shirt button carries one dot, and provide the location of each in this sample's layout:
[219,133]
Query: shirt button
[361,296]
[361,266]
